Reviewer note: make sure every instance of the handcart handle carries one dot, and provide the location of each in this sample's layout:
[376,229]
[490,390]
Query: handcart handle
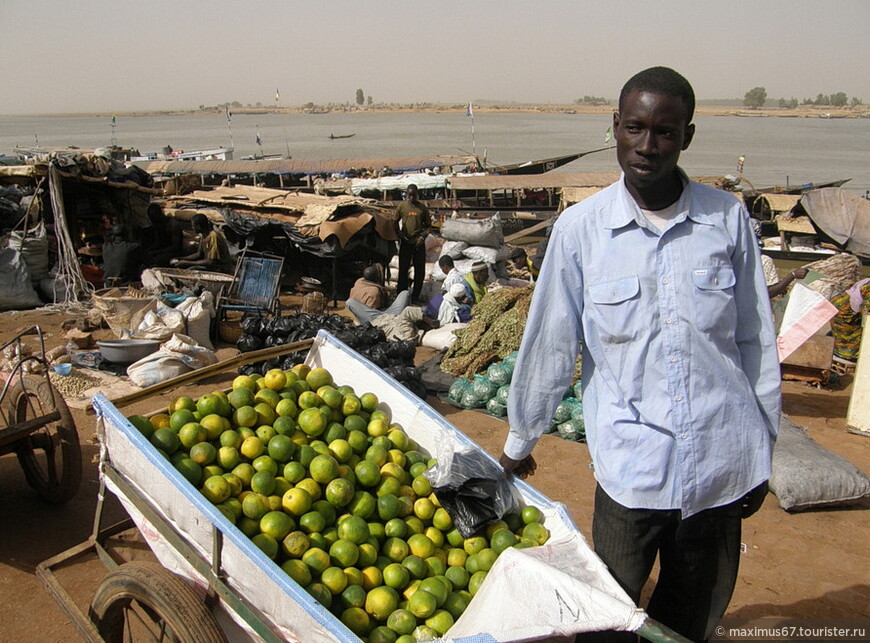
[652,630]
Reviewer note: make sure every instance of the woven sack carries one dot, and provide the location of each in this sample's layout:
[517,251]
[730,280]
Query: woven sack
[313,303]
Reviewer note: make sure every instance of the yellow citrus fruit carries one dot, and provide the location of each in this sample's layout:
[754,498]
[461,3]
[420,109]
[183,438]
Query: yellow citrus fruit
[311,486]
[203,453]
[281,448]
[536,532]
[421,545]
[381,602]
[318,377]
[183,402]
[312,422]
[316,559]
[276,524]
[265,413]
[159,421]
[474,544]
[334,580]
[286,408]
[275,379]
[357,621]
[216,489]
[395,549]
[192,433]
[265,433]
[424,509]
[339,492]
[297,570]
[502,539]
[344,553]
[369,402]
[440,621]
[301,370]
[402,622]
[340,449]
[363,504]
[422,604]
[252,447]
[377,427]
[476,581]
[255,506]
[354,529]
[227,458]
[214,425]
[372,577]
[208,404]
[296,501]
[245,416]
[456,557]
[295,544]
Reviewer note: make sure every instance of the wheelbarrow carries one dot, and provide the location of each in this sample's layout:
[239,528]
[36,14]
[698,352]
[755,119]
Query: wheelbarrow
[213,583]
[37,424]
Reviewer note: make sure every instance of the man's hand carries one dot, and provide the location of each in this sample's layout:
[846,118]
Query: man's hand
[523,468]
[753,500]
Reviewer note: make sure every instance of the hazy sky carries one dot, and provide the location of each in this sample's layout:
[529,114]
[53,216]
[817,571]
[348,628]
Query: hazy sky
[122,55]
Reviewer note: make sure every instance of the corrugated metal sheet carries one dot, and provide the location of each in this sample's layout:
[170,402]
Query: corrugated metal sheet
[302,166]
[532,181]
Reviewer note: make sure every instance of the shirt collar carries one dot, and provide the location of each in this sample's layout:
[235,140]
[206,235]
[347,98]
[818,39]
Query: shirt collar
[621,217]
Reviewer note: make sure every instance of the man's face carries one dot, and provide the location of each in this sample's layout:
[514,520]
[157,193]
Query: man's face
[411,194]
[480,276]
[651,130]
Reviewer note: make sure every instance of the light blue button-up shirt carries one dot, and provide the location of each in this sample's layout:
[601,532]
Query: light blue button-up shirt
[681,381]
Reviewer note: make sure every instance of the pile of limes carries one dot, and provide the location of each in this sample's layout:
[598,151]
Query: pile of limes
[333,491]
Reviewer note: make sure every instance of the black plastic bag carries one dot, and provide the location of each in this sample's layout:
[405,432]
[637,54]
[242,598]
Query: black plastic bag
[247,343]
[471,487]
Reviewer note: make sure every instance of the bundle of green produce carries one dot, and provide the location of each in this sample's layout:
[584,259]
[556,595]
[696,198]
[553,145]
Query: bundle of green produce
[494,332]
[333,491]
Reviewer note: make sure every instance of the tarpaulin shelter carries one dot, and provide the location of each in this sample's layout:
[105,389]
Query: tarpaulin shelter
[842,215]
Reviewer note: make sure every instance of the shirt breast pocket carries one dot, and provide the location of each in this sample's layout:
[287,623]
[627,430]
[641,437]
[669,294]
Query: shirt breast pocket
[614,308]
[714,297]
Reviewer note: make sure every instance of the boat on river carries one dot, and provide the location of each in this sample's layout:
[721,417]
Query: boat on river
[334,137]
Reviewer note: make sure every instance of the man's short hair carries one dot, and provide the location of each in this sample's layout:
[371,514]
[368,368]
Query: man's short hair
[446,261]
[664,81]
[372,273]
[517,253]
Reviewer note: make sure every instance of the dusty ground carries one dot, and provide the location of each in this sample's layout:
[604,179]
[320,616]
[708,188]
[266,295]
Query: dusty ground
[808,565]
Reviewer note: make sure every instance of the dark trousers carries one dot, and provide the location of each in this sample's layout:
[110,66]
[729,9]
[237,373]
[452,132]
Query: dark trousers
[698,561]
[411,255]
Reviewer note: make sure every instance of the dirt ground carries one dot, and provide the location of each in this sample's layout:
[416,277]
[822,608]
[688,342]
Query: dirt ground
[806,565]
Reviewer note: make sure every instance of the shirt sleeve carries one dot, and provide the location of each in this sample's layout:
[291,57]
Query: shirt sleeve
[755,335]
[548,352]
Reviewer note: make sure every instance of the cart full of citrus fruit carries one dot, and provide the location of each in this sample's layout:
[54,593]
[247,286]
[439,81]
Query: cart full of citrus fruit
[333,491]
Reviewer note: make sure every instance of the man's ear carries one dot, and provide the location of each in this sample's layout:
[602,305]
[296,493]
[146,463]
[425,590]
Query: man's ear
[615,120]
[690,134]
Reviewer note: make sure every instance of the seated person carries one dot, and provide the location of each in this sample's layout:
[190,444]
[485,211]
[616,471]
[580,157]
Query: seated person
[454,308]
[451,272]
[520,266]
[164,240]
[213,252]
[409,323]
[475,282]
[368,298]
[122,259]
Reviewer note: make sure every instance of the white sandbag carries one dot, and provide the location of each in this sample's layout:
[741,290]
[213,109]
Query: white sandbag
[175,357]
[453,248]
[475,232]
[487,255]
[16,289]
[33,246]
[57,288]
[199,312]
[806,475]
[159,324]
[442,338]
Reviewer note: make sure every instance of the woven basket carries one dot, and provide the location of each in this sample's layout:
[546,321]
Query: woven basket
[314,303]
[229,330]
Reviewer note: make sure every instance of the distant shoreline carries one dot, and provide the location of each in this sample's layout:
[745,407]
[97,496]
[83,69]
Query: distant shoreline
[803,111]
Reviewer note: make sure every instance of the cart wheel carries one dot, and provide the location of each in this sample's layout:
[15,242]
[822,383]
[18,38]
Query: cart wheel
[142,601]
[50,456]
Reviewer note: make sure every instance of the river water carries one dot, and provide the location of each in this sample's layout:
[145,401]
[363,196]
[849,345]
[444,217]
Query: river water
[777,150]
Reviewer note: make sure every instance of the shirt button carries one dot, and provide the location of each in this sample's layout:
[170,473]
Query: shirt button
[669,321]
[683,436]
[673,359]
[665,281]
[678,398]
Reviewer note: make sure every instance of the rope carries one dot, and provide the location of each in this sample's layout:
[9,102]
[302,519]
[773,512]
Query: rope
[68,270]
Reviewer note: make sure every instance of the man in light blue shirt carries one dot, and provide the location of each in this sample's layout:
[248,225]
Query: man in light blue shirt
[660,280]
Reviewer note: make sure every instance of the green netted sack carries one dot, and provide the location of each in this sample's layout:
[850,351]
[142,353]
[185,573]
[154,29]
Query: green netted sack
[510,360]
[563,411]
[577,412]
[578,390]
[502,394]
[500,373]
[470,400]
[484,388]
[495,409]
[454,394]
[570,431]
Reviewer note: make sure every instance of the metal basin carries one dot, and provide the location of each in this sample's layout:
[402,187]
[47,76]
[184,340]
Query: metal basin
[127,351]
